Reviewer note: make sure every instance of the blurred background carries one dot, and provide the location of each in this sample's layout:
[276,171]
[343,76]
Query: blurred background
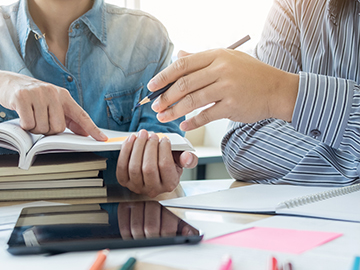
[197,25]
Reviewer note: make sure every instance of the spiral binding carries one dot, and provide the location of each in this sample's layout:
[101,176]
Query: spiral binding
[320,196]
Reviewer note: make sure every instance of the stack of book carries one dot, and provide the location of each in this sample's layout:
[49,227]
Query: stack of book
[58,166]
[52,176]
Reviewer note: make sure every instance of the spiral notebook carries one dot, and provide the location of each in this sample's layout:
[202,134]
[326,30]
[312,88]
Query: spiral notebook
[331,203]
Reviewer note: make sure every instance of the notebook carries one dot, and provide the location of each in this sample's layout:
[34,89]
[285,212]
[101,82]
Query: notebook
[331,203]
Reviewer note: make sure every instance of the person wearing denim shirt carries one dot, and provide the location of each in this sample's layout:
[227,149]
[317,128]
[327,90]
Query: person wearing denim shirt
[83,65]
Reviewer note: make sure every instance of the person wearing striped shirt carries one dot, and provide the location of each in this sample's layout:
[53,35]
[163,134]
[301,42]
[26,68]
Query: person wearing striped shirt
[295,106]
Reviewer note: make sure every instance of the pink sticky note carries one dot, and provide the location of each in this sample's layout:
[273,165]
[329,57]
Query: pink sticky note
[275,239]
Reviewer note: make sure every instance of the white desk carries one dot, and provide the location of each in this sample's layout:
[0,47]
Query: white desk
[335,255]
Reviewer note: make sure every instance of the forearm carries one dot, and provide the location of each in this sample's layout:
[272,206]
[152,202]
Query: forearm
[271,151]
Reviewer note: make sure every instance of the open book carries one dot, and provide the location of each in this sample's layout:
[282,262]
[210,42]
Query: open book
[331,203]
[28,145]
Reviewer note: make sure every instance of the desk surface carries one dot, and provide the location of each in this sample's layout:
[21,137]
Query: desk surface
[223,219]
[185,188]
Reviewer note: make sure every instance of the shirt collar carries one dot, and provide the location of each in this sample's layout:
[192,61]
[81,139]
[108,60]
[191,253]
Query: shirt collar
[94,19]
[25,25]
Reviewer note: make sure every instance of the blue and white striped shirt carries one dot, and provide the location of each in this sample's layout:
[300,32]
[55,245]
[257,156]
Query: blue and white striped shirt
[321,146]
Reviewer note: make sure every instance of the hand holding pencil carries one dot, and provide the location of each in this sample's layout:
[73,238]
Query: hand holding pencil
[233,84]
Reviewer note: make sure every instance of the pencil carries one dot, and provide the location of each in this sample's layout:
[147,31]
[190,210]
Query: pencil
[100,260]
[226,263]
[356,265]
[157,93]
[129,265]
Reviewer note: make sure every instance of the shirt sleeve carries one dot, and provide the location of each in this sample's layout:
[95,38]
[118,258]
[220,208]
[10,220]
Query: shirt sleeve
[321,145]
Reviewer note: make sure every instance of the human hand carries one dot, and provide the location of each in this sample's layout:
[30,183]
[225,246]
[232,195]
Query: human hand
[44,108]
[148,166]
[149,219]
[239,87]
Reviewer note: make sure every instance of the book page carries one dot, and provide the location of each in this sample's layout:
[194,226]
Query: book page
[12,133]
[68,141]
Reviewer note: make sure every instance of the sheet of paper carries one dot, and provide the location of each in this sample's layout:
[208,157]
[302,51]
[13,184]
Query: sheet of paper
[275,239]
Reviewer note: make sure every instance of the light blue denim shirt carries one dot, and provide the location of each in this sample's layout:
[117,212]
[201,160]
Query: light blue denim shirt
[113,53]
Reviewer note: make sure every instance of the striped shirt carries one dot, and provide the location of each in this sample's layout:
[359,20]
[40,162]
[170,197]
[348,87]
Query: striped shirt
[321,146]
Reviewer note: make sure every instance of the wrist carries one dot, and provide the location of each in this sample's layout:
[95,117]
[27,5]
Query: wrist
[283,99]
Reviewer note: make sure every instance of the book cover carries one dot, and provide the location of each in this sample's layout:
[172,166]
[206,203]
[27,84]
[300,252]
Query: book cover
[51,163]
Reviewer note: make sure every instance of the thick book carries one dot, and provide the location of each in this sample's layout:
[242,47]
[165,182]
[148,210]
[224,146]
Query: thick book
[48,176]
[331,203]
[52,193]
[52,163]
[29,145]
[59,183]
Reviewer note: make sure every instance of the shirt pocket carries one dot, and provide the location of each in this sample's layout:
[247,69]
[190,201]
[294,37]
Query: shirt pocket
[120,105]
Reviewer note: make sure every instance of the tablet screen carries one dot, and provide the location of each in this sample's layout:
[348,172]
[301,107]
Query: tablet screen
[57,229]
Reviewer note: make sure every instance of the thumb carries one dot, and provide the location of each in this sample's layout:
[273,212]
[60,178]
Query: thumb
[183,54]
[188,160]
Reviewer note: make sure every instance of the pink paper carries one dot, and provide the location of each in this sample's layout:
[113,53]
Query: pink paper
[275,239]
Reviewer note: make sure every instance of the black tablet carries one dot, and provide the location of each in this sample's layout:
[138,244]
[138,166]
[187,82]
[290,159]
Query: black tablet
[57,229]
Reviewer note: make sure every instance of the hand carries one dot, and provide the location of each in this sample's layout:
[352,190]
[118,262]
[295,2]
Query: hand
[44,108]
[239,87]
[148,166]
[149,219]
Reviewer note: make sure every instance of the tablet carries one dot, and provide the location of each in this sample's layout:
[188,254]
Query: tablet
[58,229]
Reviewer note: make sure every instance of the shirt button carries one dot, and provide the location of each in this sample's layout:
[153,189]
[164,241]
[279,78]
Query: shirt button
[69,78]
[77,26]
[315,133]
[2,114]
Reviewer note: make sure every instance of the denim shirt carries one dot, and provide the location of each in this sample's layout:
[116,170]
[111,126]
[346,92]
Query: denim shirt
[113,52]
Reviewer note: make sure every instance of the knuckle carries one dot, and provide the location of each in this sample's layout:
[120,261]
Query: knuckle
[189,101]
[43,129]
[162,77]
[58,128]
[148,170]
[183,85]
[151,230]
[134,172]
[203,116]
[171,185]
[27,125]
[121,180]
[21,95]
[180,65]
[171,113]
[219,52]
[165,98]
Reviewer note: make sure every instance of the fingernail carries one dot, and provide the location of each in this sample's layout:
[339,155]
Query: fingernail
[155,105]
[143,134]
[189,160]
[164,139]
[152,84]
[184,126]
